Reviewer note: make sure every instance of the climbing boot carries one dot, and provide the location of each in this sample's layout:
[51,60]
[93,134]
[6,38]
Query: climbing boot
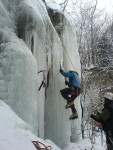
[69,104]
[73,116]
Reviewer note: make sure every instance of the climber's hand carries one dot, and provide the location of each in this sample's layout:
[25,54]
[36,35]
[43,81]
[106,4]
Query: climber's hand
[60,63]
[66,82]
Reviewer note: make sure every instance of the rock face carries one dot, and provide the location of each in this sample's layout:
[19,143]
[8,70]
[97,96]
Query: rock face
[30,42]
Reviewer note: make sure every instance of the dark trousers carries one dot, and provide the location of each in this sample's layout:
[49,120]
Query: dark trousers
[70,94]
[109,139]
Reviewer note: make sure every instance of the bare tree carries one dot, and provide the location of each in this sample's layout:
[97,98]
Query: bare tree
[64,4]
[91,25]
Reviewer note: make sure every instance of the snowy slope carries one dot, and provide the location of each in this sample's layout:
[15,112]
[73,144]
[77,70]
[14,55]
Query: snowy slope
[85,145]
[15,134]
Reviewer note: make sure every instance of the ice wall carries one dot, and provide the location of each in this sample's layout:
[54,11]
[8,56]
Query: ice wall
[64,28]
[72,60]
[29,43]
[18,68]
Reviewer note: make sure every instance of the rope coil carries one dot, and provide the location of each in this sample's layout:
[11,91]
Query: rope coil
[39,145]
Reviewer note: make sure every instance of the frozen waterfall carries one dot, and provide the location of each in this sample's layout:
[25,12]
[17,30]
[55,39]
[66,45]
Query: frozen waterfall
[29,42]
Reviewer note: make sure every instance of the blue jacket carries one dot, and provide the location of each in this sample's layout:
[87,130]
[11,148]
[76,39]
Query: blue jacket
[74,80]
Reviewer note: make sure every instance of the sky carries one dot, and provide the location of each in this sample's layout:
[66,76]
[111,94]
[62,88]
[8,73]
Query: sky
[107,4]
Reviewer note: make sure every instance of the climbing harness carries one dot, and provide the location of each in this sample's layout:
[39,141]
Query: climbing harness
[43,83]
[39,146]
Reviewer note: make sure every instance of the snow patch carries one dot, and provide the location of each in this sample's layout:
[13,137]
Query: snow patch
[15,134]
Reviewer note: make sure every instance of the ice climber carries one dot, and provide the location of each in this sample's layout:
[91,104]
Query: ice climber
[72,91]
[106,119]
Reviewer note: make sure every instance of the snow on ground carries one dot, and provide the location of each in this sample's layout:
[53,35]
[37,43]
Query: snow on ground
[84,145]
[15,134]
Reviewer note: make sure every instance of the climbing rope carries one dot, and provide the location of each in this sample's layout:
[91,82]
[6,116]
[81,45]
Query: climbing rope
[69,58]
[39,146]
[64,48]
